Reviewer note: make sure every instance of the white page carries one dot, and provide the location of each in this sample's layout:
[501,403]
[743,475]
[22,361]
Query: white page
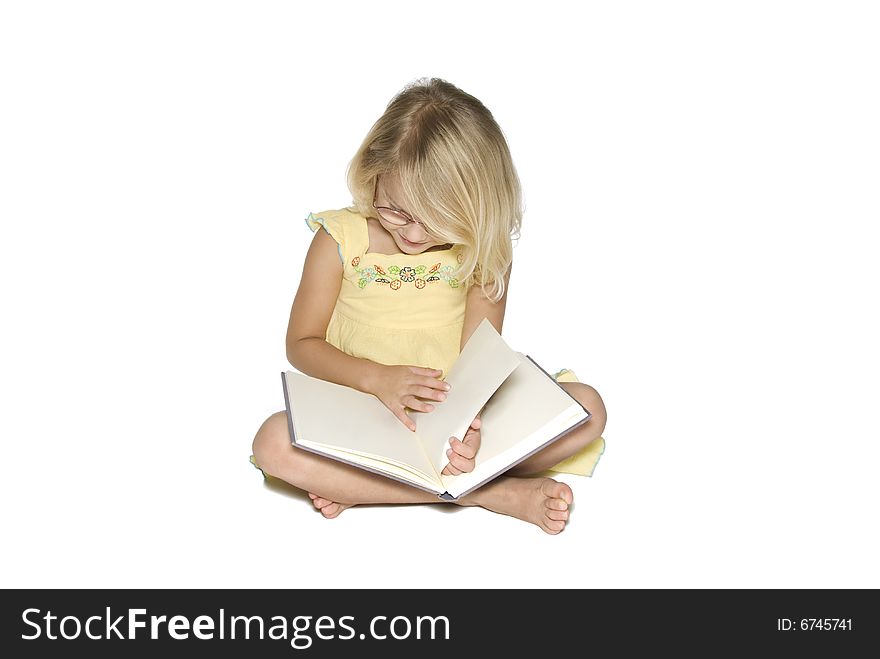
[490,468]
[484,363]
[342,417]
[404,473]
[528,410]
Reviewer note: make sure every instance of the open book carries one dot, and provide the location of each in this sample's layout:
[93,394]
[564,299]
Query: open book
[524,410]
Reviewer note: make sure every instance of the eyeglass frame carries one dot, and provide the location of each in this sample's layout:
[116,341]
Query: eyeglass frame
[405,215]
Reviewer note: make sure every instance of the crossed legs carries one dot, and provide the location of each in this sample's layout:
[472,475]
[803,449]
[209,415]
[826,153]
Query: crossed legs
[334,486]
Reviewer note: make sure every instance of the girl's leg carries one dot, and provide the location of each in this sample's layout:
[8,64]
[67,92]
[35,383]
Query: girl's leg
[335,486]
[574,441]
[327,478]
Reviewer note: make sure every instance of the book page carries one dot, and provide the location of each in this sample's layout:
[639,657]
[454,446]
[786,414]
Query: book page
[333,415]
[484,363]
[380,465]
[528,410]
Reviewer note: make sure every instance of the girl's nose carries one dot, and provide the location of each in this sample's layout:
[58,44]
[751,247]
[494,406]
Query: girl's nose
[415,237]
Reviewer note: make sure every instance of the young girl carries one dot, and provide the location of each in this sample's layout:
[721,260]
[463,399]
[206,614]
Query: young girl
[393,288]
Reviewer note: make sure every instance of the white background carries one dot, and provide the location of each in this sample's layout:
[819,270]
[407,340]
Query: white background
[699,244]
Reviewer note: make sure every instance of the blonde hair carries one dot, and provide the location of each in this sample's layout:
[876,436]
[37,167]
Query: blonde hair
[456,174]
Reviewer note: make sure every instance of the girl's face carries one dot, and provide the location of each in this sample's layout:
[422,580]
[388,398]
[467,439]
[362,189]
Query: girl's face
[412,237]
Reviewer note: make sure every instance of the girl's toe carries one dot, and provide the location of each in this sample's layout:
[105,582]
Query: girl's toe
[554,526]
[559,515]
[556,490]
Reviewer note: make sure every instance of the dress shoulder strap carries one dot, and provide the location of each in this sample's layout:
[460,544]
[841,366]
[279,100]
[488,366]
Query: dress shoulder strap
[347,227]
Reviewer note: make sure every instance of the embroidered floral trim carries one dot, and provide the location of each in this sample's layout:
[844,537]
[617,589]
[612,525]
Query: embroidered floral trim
[395,276]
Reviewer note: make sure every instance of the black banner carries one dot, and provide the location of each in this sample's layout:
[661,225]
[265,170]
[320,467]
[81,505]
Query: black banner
[317,623]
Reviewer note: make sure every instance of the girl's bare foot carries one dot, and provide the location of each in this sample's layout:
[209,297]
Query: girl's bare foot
[329,509]
[541,501]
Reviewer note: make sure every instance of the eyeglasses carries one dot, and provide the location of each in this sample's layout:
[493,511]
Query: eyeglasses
[395,217]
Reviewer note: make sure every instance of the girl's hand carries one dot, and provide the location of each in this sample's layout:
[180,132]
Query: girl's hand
[402,387]
[463,454]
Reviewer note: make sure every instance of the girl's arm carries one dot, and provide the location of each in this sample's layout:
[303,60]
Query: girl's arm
[478,307]
[307,349]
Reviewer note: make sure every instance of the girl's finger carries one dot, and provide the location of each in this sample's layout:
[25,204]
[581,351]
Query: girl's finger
[459,462]
[417,404]
[463,449]
[407,421]
[438,394]
[432,385]
[432,372]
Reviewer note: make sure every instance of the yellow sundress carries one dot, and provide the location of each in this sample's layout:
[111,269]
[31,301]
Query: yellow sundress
[406,309]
